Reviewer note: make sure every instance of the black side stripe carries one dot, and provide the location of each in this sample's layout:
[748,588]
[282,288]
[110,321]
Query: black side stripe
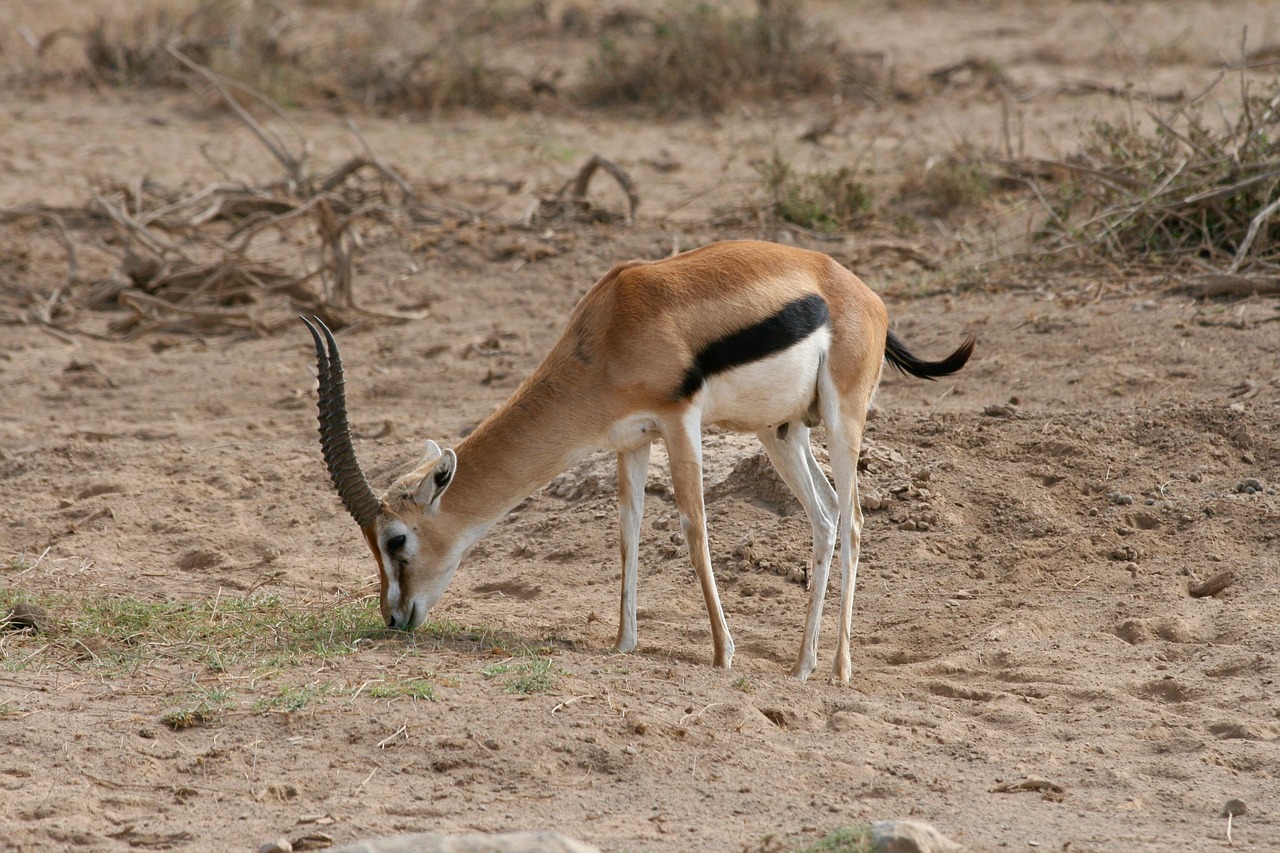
[795,322]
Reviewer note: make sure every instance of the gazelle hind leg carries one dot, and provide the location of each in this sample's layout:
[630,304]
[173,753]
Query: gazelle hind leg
[822,484]
[633,468]
[684,450]
[845,420]
[790,455]
[844,439]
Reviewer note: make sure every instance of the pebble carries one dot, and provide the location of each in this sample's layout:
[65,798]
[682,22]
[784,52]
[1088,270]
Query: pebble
[280,845]
[26,616]
[1120,499]
[1250,486]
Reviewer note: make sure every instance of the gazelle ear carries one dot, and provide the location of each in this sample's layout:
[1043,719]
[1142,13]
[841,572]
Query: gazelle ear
[434,484]
[430,453]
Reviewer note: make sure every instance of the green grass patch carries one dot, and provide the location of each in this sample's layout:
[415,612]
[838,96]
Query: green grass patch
[411,688]
[209,705]
[855,839]
[260,633]
[292,698]
[531,672]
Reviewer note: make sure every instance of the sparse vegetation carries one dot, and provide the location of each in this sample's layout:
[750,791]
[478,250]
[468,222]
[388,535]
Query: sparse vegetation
[412,688]
[1188,187]
[209,705]
[259,632]
[389,57]
[822,201]
[531,672]
[698,57]
[291,698]
[856,839]
[944,185]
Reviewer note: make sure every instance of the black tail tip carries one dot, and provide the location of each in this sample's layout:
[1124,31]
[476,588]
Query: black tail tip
[900,357]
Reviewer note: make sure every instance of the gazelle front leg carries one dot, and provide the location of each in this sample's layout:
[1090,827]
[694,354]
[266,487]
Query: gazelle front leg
[683,436]
[633,469]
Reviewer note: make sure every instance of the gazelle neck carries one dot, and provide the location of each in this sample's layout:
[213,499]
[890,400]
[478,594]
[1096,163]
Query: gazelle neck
[544,428]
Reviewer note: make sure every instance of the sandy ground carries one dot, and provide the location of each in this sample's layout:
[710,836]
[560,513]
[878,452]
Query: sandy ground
[1073,482]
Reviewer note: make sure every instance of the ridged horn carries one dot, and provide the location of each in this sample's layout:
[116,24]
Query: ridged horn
[335,432]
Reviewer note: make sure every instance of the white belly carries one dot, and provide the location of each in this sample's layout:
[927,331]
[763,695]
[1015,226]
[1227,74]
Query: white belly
[768,392]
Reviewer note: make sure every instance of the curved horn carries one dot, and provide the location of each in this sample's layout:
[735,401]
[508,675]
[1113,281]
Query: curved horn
[335,433]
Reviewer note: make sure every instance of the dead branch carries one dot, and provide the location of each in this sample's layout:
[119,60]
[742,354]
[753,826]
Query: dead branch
[587,172]
[1213,585]
[270,139]
[1215,285]
[570,201]
[73,263]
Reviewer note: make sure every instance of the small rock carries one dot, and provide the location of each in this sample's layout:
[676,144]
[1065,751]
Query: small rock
[909,836]
[280,845]
[509,842]
[1250,486]
[26,616]
[1234,808]
[1000,410]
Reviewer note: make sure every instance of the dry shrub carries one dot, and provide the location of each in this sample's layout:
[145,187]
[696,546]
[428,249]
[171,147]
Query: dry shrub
[941,186]
[294,54]
[393,57]
[242,41]
[1191,188]
[701,58]
[453,74]
[821,201]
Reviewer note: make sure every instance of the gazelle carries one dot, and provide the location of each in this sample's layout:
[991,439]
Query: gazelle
[755,337]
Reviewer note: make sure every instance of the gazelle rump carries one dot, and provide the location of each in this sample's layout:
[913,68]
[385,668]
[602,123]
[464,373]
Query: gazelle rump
[756,337]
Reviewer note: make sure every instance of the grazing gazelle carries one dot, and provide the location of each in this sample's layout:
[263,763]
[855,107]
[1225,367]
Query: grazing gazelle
[755,337]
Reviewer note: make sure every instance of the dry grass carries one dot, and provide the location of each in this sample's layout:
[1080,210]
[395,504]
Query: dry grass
[942,186]
[698,57]
[819,201]
[394,58]
[1195,188]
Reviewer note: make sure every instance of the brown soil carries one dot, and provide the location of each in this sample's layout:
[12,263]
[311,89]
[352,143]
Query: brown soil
[1040,625]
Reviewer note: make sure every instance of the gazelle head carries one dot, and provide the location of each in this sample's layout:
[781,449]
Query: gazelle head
[416,557]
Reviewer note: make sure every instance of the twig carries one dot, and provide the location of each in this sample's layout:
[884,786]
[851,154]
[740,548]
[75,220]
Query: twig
[1258,220]
[73,271]
[270,139]
[382,744]
[360,787]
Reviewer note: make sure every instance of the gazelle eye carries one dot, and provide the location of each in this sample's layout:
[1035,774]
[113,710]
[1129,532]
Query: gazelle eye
[395,543]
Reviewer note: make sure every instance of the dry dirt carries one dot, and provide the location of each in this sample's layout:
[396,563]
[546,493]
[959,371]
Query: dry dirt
[1040,626]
